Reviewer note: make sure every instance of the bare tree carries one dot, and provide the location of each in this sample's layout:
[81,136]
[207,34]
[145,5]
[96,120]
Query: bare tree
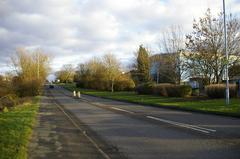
[31,69]
[66,73]
[31,65]
[172,43]
[112,68]
[205,56]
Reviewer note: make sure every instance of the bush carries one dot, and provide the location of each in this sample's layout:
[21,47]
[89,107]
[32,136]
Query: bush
[5,88]
[195,92]
[146,88]
[25,88]
[124,84]
[171,90]
[219,90]
[185,90]
[10,100]
[161,89]
[5,110]
[80,84]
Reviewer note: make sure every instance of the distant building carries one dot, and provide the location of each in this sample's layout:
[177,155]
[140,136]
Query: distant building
[163,68]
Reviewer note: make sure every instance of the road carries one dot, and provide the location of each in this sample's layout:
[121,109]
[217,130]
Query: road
[55,136]
[143,132]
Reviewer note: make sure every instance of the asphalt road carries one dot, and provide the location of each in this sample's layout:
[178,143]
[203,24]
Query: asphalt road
[147,132]
[56,137]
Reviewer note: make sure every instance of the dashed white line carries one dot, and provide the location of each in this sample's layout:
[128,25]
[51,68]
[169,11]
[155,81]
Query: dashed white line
[193,127]
[123,110]
[203,128]
[189,126]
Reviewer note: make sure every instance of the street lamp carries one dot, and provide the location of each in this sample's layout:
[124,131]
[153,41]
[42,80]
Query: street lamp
[226,54]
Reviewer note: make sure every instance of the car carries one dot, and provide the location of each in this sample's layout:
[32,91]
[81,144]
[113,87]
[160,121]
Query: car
[51,86]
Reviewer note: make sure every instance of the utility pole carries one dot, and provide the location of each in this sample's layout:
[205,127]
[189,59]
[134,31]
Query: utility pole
[226,54]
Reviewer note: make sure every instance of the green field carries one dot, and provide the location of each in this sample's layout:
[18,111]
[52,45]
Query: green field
[16,129]
[205,105]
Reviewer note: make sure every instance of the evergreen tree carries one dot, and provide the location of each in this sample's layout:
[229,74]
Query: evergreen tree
[143,65]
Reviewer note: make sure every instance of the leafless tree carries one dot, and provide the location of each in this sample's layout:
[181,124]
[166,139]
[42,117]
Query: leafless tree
[205,55]
[32,68]
[31,65]
[112,68]
[66,73]
[172,43]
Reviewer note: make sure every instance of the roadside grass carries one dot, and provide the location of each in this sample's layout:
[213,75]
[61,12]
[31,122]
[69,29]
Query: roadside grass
[16,128]
[216,106]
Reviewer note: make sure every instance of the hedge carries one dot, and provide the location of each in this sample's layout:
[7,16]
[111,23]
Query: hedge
[121,84]
[165,89]
[124,85]
[219,90]
[146,88]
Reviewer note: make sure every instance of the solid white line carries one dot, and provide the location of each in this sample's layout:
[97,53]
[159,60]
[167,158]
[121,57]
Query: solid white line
[193,127]
[123,110]
[84,133]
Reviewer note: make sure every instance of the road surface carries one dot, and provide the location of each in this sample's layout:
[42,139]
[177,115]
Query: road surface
[143,132]
[55,136]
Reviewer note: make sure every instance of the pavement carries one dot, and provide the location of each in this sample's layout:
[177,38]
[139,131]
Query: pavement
[134,131]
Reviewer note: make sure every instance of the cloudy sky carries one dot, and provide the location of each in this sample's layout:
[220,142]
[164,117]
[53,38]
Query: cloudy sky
[73,31]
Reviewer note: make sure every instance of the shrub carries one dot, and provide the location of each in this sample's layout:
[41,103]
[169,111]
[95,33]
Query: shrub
[171,90]
[10,100]
[219,90]
[25,88]
[5,109]
[165,89]
[146,88]
[185,90]
[124,84]
[5,88]
[80,84]
[195,92]
[161,89]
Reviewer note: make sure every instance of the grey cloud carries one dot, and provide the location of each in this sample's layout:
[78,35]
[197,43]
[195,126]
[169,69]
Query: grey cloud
[76,30]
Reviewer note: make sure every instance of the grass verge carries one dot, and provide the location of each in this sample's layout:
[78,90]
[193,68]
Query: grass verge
[215,106]
[16,129]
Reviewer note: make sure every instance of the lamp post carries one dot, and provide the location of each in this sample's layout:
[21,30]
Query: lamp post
[226,54]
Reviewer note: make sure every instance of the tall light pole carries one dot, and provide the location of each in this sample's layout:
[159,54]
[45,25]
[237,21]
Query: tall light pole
[226,54]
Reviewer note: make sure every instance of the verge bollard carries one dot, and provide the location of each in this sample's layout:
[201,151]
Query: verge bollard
[78,94]
[74,93]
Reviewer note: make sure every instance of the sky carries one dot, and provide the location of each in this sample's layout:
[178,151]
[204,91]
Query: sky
[73,31]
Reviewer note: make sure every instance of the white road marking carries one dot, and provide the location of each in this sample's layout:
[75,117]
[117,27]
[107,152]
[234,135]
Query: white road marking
[193,127]
[212,130]
[97,103]
[84,132]
[123,110]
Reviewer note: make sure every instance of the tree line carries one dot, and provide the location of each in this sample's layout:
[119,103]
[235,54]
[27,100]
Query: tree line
[101,73]
[197,54]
